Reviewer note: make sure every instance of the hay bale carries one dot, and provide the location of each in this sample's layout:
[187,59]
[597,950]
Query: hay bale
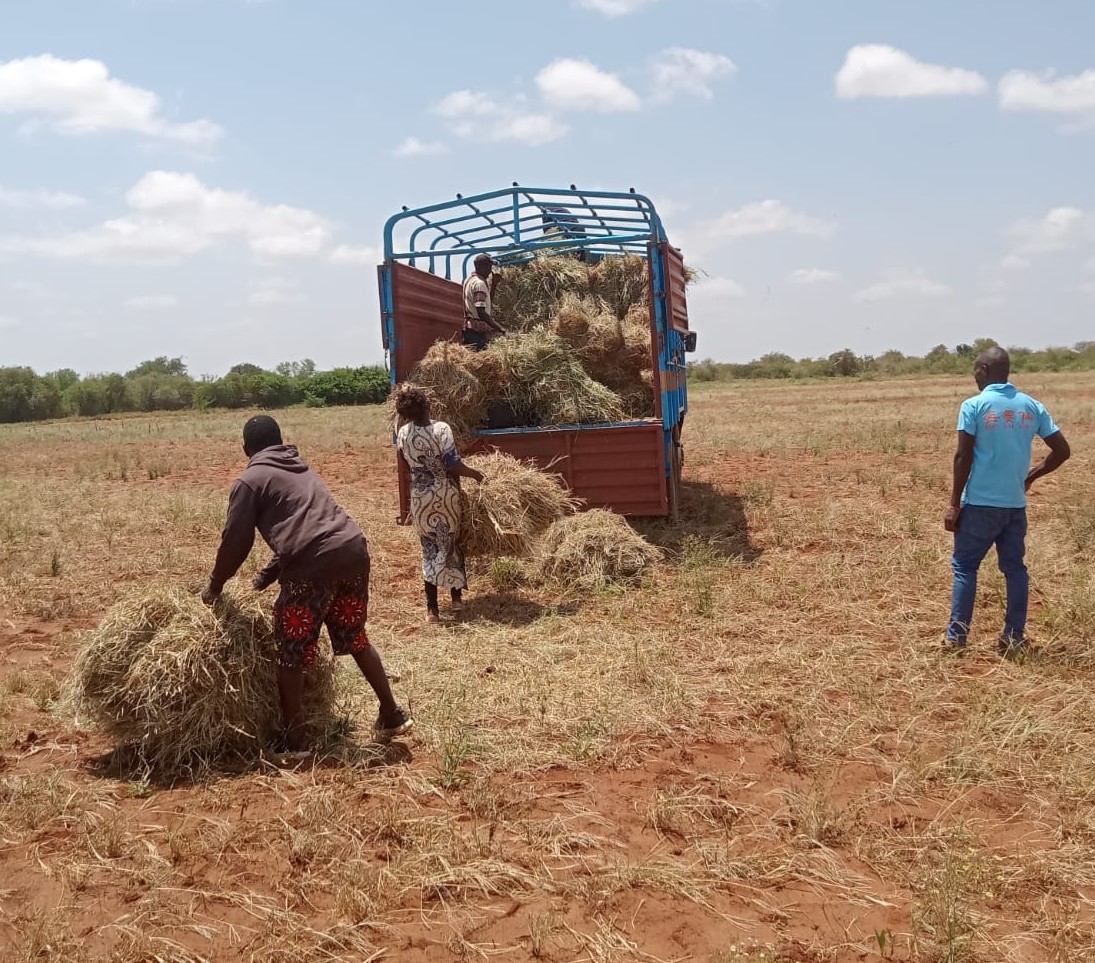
[184,685]
[594,549]
[638,401]
[527,293]
[545,383]
[457,381]
[621,281]
[614,352]
[514,505]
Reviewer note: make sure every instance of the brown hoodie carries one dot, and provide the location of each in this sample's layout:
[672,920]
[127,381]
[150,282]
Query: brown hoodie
[311,537]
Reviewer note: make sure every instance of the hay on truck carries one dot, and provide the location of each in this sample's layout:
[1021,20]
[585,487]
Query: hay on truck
[184,686]
[545,384]
[515,504]
[578,351]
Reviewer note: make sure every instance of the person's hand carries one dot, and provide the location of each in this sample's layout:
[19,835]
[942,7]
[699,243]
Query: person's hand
[261,582]
[210,596]
[950,519]
[1027,482]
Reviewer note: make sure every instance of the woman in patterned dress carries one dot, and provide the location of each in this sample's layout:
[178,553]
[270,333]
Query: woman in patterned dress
[429,451]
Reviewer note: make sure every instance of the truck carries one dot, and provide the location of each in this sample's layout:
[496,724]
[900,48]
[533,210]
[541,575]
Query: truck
[630,467]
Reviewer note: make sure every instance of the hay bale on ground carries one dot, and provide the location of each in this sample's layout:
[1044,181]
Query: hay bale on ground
[594,549]
[526,293]
[515,504]
[186,686]
[545,383]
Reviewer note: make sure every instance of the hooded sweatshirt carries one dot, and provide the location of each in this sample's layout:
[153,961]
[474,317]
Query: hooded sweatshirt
[311,537]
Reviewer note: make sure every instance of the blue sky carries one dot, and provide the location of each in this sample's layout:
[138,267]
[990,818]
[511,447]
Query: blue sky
[209,178]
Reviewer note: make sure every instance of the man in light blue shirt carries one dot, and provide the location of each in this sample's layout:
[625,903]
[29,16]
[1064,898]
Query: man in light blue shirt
[988,506]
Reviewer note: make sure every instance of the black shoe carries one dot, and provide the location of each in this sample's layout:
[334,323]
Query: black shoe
[1015,650]
[396,724]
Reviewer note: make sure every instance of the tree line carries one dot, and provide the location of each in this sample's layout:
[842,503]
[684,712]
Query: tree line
[940,360]
[164,384]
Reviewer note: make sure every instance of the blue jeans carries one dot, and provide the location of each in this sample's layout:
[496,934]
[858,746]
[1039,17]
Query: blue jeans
[979,528]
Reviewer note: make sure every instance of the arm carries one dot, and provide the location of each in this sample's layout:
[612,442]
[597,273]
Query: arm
[487,319]
[460,470]
[963,463]
[236,539]
[268,576]
[1059,453]
[450,457]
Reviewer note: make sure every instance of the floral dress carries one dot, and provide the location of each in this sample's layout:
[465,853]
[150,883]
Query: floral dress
[429,451]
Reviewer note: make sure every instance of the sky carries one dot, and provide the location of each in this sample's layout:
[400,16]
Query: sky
[210,178]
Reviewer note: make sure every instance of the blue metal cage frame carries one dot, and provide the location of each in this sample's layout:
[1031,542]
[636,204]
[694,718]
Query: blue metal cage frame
[517,224]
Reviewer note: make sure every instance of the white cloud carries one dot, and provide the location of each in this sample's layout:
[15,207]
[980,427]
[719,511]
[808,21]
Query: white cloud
[152,302]
[1090,266]
[38,198]
[80,97]
[1014,263]
[478,116]
[174,215]
[903,283]
[767,217]
[580,85]
[348,254]
[989,301]
[1060,228]
[7,321]
[276,290]
[1075,95]
[413,147]
[680,70]
[876,70]
[615,8]
[812,276]
[718,289]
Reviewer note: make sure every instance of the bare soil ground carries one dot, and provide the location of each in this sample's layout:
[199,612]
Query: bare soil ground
[761,755]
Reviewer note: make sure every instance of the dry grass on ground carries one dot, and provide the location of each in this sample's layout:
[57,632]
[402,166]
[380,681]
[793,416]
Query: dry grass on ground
[757,755]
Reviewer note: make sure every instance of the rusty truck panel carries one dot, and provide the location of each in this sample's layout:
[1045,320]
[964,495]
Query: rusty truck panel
[430,309]
[618,467]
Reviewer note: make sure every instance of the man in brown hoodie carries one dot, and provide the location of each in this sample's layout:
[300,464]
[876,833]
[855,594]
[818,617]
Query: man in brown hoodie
[321,560]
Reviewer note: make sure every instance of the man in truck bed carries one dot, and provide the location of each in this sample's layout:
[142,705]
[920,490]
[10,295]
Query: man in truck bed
[478,319]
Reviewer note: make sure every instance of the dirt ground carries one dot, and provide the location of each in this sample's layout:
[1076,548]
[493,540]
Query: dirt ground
[760,755]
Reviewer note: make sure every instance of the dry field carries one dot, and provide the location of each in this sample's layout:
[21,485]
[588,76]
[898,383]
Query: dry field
[762,755]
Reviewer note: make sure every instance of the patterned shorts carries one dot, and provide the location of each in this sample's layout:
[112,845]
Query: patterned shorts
[303,608]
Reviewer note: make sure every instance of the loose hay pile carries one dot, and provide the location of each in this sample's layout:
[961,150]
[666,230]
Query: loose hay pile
[594,549]
[515,504]
[184,685]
